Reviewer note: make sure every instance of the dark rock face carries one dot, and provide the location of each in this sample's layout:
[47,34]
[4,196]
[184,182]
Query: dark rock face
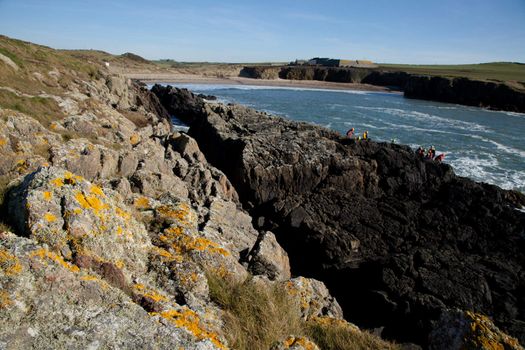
[397,239]
[453,90]
[465,91]
[181,103]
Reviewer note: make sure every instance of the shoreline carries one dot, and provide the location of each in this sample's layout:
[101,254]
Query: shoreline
[197,79]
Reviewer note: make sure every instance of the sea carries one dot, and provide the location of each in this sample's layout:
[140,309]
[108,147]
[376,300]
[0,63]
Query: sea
[484,145]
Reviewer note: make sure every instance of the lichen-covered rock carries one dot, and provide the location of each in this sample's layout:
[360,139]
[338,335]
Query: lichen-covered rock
[268,258]
[80,221]
[468,330]
[295,343]
[315,299]
[46,302]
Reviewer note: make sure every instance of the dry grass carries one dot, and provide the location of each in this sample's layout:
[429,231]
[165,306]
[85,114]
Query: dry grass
[338,336]
[257,316]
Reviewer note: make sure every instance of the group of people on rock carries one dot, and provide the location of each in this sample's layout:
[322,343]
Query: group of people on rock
[350,134]
[430,154]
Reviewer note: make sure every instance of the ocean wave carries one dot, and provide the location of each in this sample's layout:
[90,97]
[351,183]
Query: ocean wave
[460,124]
[500,146]
[486,168]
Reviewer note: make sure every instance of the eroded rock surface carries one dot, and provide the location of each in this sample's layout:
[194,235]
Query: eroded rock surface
[396,239]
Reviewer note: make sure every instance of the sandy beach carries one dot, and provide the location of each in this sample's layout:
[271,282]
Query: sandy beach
[199,79]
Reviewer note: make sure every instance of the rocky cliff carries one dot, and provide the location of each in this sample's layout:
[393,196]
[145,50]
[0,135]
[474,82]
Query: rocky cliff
[400,241]
[116,232]
[464,91]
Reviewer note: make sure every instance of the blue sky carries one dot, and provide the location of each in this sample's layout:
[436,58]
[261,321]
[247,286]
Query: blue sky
[410,31]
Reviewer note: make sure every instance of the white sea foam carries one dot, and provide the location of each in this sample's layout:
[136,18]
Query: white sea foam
[501,147]
[425,117]
[485,167]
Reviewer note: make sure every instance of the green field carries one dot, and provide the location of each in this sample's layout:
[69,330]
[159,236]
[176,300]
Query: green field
[496,71]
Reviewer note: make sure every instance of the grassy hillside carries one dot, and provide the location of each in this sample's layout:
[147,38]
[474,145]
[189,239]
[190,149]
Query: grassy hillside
[496,71]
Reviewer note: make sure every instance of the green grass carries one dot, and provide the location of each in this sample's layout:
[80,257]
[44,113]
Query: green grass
[12,56]
[496,71]
[45,110]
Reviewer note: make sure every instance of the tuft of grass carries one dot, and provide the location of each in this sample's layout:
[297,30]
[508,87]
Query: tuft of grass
[255,316]
[337,335]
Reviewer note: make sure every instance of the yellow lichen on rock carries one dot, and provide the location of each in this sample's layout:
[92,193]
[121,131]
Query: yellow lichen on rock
[149,293]
[5,299]
[9,264]
[50,217]
[183,243]
[47,195]
[97,190]
[3,141]
[58,182]
[134,139]
[142,203]
[190,321]
[299,341]
[43,253]
[484,335]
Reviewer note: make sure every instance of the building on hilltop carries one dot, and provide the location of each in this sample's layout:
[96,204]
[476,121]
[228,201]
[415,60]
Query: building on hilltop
[331,62]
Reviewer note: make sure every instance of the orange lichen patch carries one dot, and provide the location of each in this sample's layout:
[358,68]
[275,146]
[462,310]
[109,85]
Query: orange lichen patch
[142,202]
[9,264]
[149,293]
[22,165]
[5,299]
[134,139]
[3,141]
[90,202]
[119,264]
[53,126]
[182,243]
[43,253]
[122,213]
[181,214]
[50,217]
[97,190]
[484,335]
[190,321]
[58,182]
[303,342]
[47,195]
[119,230]
[334,322]
[165,255]
[71,179]
[89,278]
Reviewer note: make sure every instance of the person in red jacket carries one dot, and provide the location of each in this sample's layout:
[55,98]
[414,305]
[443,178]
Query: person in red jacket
[440,158]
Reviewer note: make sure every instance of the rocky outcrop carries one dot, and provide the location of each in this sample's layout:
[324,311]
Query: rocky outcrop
[467,330]
[466,92]
[463,91]
[260,72]
[120,224]
[396,239]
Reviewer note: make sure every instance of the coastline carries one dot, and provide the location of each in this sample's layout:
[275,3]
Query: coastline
[198,79]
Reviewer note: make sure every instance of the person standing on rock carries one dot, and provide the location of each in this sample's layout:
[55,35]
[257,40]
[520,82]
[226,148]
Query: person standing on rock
[440,158]
[365,135]
[350,133]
